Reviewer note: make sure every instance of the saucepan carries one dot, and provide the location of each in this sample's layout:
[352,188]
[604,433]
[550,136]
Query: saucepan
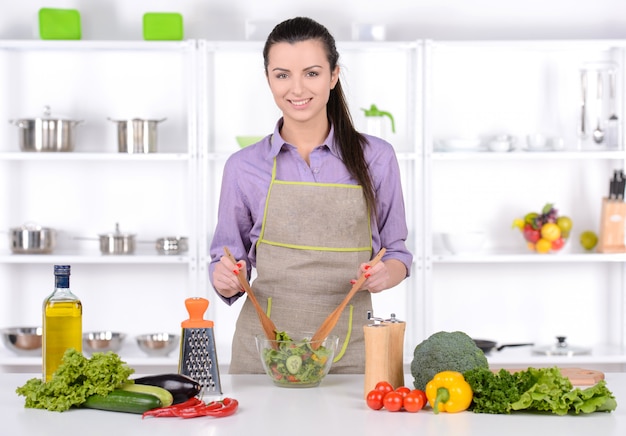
[116,242]
[46,133]
[137,135]
[488,346]
[32,239]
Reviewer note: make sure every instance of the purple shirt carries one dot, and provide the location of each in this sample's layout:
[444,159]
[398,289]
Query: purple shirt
[246,180]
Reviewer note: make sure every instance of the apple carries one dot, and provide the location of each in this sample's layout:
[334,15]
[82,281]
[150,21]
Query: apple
[531,234]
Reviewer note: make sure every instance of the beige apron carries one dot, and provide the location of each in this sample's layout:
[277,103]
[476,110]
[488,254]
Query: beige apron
[313,239]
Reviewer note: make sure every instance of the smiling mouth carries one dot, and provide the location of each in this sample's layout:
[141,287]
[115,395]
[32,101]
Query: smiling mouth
[300,102]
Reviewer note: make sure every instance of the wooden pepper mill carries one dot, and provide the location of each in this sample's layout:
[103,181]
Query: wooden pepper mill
[384,355]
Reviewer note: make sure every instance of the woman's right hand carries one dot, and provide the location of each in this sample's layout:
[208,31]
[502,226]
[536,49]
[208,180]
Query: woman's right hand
[225,278]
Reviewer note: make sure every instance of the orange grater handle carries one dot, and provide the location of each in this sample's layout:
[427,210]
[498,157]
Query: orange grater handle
[196,306]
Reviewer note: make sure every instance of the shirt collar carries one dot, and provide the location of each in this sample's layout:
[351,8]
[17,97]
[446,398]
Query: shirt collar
[277,142]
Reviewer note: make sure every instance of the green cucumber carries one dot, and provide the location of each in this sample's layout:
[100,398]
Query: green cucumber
[164,395]
[293,364]
[120,400]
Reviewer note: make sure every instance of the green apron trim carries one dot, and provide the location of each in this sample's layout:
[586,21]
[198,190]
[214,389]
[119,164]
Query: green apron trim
[347,339]
[334,185]
[308,247]
[305,247]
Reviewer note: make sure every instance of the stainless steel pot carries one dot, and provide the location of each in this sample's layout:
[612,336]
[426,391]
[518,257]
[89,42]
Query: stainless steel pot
[46,133]
[117,242]
[137,135]
[172,245]
[32,239]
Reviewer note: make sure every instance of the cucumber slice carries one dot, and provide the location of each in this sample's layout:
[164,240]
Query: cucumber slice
[293,364]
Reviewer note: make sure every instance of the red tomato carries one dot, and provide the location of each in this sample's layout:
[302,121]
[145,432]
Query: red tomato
[403,390]
[414,401]
[393,401]
[375,399]
[384,386]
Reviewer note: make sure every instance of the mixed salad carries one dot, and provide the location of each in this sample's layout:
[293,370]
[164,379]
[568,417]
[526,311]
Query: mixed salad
[295,362]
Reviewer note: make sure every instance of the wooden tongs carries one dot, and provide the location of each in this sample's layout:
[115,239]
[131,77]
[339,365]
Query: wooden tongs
[268,325]
[329,323]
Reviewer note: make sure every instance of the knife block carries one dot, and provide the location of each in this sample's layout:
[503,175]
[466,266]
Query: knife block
[612,219]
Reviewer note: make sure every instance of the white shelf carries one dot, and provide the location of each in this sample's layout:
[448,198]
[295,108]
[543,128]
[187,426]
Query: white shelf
[523,356]
[529,258]
[96,157]
[97,45]
[93,259]
[523,155]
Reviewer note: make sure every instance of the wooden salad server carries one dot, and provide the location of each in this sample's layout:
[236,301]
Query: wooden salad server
[329,323]
[268,325]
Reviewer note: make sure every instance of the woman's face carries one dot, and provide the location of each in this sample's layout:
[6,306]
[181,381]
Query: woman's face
[300,79]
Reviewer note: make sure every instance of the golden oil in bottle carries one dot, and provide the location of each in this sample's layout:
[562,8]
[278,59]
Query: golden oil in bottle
[62,322]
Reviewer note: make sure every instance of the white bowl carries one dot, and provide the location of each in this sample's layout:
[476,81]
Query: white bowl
[465,242]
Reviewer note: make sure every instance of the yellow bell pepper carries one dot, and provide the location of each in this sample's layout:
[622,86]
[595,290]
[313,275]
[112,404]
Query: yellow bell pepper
[449,392]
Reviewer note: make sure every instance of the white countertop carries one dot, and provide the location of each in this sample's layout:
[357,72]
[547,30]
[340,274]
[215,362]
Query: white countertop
[336,407]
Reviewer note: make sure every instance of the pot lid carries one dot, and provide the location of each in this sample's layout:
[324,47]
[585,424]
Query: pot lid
[561,348]
[117,233]
[47,115]
[137,120]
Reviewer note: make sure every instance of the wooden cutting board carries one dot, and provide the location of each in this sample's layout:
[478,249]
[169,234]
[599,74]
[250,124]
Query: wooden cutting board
[578,376]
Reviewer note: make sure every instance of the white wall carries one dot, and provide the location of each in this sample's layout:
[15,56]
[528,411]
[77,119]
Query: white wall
[405,19]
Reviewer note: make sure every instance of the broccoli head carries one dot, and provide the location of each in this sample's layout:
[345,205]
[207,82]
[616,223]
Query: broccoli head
[445,351]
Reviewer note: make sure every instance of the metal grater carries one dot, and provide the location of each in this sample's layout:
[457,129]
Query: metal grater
[198,357]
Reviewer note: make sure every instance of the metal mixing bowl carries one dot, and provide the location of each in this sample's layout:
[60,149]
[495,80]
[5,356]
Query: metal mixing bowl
[172,245]
[158,344]
[103,341]
[24,341]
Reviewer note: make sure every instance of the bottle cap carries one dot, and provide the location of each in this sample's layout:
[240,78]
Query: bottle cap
[62,270]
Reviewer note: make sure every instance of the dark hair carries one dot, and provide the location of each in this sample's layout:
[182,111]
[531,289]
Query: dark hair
[350,142]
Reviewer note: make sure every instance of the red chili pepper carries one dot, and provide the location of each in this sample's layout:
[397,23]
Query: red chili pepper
[195,409]
[170,411]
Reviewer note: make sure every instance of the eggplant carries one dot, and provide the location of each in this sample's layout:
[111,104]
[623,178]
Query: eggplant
[180,386]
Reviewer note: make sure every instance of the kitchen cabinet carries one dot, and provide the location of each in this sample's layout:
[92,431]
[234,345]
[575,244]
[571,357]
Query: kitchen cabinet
[210,92]
[86,192]
[505,292]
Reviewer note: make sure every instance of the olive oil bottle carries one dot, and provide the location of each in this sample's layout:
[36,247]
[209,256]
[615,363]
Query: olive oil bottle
[62,322]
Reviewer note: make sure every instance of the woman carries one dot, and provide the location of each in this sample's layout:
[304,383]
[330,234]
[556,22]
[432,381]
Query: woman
[308,206]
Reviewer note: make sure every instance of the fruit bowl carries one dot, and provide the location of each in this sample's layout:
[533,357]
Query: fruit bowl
[544,232]
[293,363]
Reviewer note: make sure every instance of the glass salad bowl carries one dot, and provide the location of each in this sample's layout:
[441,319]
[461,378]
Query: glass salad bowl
[294,363]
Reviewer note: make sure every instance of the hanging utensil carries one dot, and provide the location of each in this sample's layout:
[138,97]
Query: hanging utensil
[598,134]
[268,325]
[329,323]
[612,127]
[583,104]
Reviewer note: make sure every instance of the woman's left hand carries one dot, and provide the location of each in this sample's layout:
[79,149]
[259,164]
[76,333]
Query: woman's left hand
[383,275]
[377,277]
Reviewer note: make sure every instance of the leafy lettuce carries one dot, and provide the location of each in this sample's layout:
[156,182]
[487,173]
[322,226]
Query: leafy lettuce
[76,379]
[537,390]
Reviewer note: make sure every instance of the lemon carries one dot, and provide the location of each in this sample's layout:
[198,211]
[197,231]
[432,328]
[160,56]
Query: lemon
[588,240]
[543,246]
[518,223]
[550,231]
